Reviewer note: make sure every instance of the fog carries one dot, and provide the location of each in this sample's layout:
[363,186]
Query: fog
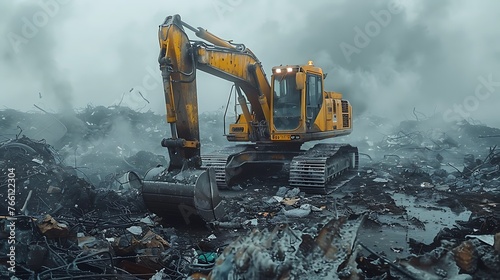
[387,57]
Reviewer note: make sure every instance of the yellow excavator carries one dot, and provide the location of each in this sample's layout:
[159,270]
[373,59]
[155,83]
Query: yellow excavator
[276,118]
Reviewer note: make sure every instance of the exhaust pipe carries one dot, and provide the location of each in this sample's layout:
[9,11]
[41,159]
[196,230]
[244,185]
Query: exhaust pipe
[190,195]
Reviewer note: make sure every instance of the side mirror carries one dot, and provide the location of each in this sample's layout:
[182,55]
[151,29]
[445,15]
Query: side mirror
[300,80]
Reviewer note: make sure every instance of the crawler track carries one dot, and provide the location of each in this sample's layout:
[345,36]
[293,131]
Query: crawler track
[312,170]
[218,160]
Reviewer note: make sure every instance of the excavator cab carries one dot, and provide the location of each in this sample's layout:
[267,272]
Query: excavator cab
[301,110]
[287,99]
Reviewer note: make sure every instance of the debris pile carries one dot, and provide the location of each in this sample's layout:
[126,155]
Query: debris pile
[63,224]
[423,205]
[285,253]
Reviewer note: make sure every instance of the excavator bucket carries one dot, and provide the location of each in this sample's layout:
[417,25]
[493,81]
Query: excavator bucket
[190,196]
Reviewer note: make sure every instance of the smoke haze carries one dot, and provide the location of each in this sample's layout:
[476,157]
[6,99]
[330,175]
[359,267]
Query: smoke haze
[430,55]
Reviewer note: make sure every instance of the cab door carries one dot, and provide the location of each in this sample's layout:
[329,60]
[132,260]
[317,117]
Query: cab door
[286,103]
[314,97]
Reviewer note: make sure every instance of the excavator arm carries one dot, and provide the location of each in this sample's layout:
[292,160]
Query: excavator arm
[179,59]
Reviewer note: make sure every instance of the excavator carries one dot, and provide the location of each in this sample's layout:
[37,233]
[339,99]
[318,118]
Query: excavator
[275,119]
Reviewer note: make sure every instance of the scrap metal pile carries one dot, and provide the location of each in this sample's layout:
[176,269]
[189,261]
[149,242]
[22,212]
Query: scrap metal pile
[423,205]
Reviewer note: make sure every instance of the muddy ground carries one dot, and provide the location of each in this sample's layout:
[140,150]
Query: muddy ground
[423,205]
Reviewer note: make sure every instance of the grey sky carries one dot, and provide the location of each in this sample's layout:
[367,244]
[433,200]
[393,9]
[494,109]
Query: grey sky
[432,55]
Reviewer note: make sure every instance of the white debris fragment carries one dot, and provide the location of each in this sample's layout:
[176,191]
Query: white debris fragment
[380,180]
[426,185]
[148,221]
[110,239]
[135,230]
[251,222]
[488,239]
[303,211]
[316,209]
[211,237]
[53,189]
[39,161]
[82,241]
[159,275]
[442,187]
[278,198]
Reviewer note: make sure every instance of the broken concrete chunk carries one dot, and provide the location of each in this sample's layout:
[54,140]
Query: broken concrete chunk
[53,189]
[426,185]
[270,201]
[451,179]
[148,221]
[488,239]
[301,212]
[292,193]
[86,241]
[317,209]
[380,180]
[251,222]
[282,191]
[136,230]
[211,237]
[278,198]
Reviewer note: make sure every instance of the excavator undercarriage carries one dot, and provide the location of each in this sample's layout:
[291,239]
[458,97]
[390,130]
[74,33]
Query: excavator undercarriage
[311,170]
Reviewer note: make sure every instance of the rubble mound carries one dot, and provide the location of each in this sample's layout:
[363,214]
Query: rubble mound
[424,204]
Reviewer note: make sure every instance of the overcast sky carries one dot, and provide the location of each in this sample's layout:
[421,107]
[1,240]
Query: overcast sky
[386,57]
